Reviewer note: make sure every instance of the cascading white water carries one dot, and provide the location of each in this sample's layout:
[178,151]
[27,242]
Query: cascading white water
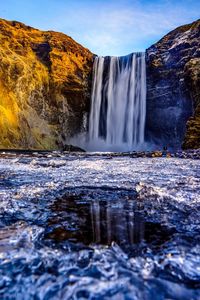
[118,108]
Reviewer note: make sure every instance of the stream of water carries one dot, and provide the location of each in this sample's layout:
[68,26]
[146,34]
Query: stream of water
[99,227]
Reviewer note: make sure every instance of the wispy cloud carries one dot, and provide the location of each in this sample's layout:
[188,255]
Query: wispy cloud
[112,27]
[116,28]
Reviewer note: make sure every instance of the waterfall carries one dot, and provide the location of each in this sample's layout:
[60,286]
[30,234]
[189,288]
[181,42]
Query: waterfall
[118,103]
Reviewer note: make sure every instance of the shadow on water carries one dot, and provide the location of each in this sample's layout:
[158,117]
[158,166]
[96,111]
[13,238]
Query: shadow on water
[87,222]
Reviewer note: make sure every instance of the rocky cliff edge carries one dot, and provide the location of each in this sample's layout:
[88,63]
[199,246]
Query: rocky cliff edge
[45,81]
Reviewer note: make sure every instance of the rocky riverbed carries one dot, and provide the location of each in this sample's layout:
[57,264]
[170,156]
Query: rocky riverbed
[93,226]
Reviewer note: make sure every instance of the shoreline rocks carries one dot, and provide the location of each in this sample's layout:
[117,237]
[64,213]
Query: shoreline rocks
[76,151]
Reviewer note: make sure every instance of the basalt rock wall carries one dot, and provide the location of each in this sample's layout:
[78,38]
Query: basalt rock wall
[173,89]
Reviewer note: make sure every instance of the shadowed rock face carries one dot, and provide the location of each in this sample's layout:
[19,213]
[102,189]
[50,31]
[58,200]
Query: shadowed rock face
[192,138]
[45,81]
[173,89]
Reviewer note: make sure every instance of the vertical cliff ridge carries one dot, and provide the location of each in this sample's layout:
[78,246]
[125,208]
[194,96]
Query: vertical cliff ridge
[173,89]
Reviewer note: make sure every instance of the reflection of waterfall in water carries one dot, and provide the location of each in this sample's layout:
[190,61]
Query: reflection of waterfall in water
[118,108]
[115,222]
[102,222]
[99,221]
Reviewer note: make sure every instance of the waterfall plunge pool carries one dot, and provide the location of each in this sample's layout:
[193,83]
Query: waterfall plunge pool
[96,227]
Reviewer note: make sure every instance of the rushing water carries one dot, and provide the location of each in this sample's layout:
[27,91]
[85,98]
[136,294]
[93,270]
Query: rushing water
[118,108]
[99,227]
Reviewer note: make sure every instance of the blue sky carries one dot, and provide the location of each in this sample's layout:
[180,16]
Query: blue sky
[115,27]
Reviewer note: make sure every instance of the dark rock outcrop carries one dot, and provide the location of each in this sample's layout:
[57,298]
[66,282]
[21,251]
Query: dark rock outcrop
[173,88]
[71,148]
[45,81]
[192,137]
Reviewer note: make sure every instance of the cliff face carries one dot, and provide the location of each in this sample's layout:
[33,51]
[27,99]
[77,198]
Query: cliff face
[173,88]
[45,85]
[45,81]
